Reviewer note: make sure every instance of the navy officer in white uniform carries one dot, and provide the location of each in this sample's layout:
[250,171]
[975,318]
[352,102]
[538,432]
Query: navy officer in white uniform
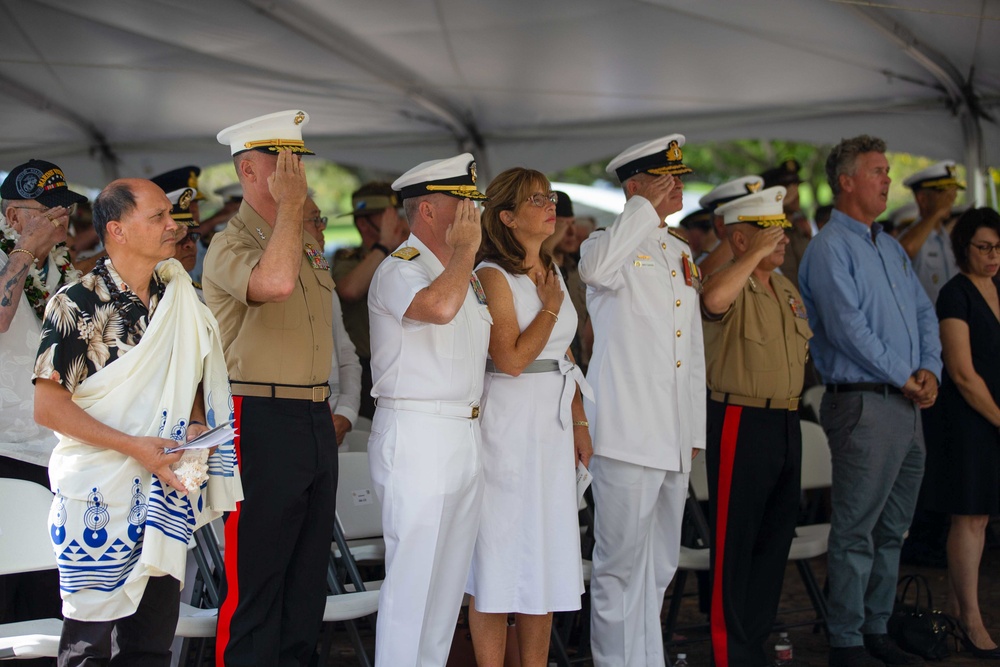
[648,376]
[430,330]
[928,240]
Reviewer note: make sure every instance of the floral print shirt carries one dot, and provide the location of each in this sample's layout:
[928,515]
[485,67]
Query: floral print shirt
[91,323]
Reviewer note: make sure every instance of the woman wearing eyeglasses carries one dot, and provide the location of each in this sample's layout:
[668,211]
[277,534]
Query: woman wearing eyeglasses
[527,555]
[963,441]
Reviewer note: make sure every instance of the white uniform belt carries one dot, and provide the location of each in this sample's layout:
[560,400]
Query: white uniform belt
[444,408]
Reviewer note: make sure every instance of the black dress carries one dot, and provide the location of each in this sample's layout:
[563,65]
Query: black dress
[963,448]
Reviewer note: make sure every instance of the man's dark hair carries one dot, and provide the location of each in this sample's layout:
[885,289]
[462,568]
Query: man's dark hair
[966,228]
[114,203]
[843,156]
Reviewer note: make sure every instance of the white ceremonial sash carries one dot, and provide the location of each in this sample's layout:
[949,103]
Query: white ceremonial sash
[112,524]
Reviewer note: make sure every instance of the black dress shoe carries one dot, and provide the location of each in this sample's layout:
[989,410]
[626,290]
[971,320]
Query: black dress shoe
[852,656]
[886,650]
[968,646]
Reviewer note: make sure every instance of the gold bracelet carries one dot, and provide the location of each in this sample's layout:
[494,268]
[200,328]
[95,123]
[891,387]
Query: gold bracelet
[582,423]
[26,252]
[551,313]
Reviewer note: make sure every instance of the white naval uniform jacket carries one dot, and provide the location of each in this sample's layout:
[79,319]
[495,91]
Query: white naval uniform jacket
[419,361]
[648,366]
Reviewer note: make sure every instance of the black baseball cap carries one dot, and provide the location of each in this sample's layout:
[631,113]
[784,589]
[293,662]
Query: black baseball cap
[42,181]
[564,206]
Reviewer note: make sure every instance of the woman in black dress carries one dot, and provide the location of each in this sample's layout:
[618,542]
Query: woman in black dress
[963,441]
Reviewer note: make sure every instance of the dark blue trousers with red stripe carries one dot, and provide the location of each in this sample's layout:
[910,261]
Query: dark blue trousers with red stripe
[754,469]
[278,540]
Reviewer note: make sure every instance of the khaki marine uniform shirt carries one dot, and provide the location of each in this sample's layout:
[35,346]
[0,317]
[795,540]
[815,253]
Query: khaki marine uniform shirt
[760,346]
[346,260]
[287,342]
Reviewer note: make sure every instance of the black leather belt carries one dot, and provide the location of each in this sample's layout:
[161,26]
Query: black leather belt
[876,387]
[791,404]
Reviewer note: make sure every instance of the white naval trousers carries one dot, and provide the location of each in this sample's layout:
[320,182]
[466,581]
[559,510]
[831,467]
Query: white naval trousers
[637,528]
[427,474]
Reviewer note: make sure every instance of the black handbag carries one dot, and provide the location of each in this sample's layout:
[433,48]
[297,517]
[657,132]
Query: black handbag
[917,629]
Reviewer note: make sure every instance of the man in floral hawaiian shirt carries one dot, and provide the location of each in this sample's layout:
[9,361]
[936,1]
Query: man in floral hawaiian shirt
[88,330]
[34,263]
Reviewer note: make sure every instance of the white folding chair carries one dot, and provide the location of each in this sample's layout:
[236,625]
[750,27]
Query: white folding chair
[812,540]
[809,541]
[356,441]
[25,547]
[358,508]
[812,398]
[349,601]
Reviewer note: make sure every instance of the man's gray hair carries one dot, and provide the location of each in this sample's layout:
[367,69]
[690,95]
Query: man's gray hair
[114,203]
[844,155]
[411,207]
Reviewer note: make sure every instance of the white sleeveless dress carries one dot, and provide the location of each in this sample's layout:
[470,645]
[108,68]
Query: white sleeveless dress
[527,555]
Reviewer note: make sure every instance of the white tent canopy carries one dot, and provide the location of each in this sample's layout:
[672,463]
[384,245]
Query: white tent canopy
[119,87]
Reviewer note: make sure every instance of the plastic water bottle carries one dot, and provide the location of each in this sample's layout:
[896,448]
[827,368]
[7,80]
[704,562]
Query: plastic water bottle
[681,660]
[783,654]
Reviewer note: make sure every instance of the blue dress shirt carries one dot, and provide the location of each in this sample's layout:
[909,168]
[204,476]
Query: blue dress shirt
[870,315]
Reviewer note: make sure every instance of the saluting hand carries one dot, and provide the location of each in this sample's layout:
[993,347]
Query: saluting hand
[656,189]
[765,241]
[41,229]
[550,291]
[288,182]
[465,232]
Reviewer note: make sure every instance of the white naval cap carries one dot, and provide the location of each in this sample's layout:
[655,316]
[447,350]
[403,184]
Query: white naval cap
[730,190]
[268,134]
[181,200]
[904,215]
[760,208]
[656,157]
[940,176]
[231,191]
[453,176]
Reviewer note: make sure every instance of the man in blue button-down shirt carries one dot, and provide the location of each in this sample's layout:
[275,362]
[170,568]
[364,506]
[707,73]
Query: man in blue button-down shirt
[876,346]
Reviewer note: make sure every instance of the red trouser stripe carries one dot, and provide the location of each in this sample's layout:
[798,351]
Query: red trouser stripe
[727,452]
[232,529]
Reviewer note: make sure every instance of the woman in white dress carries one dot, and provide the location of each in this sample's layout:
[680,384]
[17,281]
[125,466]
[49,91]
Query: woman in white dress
[527,556]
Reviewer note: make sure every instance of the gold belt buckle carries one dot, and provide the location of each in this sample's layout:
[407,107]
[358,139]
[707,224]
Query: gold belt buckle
[793,404]
[318,394]
[475,412]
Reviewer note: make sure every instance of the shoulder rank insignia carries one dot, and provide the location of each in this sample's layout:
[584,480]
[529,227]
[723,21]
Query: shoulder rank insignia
[406,252]
[677,235]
